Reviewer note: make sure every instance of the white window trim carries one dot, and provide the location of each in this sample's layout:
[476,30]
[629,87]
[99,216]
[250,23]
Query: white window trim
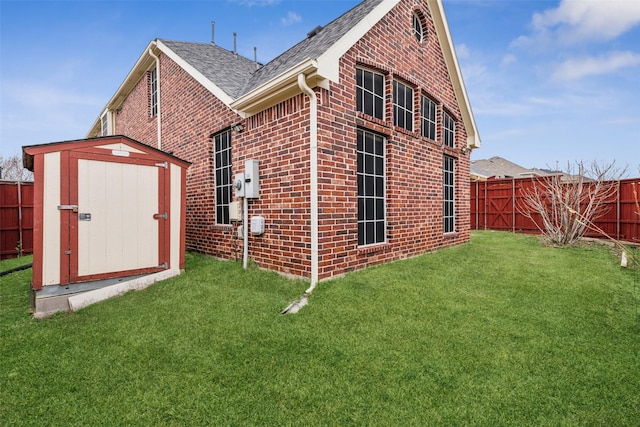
[384,91]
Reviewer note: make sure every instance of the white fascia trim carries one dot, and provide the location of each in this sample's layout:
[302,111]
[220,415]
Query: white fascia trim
[200,78]
[274,86]
[141,66]
[329,61]
[455,73]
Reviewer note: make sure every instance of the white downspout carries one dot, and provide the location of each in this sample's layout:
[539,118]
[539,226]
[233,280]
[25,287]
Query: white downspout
[313,147]
[159,120]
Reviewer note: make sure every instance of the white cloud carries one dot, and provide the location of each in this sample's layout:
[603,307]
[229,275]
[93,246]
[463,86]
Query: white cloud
[508,59]
[462,51]
[587,20]
[577,68]
[290,19]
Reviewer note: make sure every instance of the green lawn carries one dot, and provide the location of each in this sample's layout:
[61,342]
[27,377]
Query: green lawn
[501,331]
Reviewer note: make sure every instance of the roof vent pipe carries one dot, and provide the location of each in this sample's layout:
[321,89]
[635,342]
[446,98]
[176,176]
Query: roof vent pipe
[235,43]
[213,33]
[315,31]
[255,56]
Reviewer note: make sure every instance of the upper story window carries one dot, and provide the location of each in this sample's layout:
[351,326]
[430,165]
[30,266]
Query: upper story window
[370,93]
[448,130]
[402,106]
[105,124]
[153,92]
[429,118]
[418,29]
[224,181]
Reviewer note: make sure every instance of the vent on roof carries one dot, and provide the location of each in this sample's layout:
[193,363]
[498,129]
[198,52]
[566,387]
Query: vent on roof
[315,31]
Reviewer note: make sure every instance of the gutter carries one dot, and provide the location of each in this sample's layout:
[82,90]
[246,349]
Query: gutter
[313,147]
[159,118]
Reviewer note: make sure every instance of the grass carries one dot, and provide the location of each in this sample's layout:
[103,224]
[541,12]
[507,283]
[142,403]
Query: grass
[500,331]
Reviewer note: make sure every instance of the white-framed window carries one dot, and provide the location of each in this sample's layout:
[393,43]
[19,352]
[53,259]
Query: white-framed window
[418,29]
[371,188]
[153,92]
[429,112]
[402,106]
[370,93]
[448,130]
[448,189]
[224,178]
[105,123]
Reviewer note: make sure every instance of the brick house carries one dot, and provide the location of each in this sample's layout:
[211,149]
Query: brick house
[362,132]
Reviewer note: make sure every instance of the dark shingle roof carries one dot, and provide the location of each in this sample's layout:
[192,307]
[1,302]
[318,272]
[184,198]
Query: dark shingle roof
[237,75]
[311,47]
[224,68]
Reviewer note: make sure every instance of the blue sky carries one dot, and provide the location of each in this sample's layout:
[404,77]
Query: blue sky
[549,81]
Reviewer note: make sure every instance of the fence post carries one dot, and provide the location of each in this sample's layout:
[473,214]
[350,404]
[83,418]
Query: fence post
[485,205]
[513,205]
[618,213]
[19,219]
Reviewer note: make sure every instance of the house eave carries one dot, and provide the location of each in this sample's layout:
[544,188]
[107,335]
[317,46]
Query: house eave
[277,89]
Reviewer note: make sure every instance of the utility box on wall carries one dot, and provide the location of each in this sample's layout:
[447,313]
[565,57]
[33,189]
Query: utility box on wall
[104,208]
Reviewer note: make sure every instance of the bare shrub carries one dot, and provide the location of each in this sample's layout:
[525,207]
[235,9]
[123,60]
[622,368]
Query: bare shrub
[11,169]
[561,205]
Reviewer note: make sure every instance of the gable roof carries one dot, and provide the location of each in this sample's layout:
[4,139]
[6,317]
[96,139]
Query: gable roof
[229,71]
[499,167]
[248,89]
[312,47]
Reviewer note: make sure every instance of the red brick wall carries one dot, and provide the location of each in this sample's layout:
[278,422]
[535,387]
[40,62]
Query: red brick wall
[413,163]
[279,139]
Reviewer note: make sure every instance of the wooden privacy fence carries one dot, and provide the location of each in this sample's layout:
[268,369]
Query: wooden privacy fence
[16,218]
[498,205]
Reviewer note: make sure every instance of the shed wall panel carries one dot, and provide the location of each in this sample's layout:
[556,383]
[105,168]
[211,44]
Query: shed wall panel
[51,220]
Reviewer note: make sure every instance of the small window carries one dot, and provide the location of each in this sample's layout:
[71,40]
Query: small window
[418,30]
[448,188]
[224,181]
[153,92]
[402,106]
[105,125]
[448,130]
[371,189]
[370,93]
[429,118]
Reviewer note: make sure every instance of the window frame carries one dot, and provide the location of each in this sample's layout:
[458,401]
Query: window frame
[372,192]
[429,128]
[448,130]
[153,92]
[408,115]
[370,96]
[449,194]
[418,25]
[105,123]
[223,175]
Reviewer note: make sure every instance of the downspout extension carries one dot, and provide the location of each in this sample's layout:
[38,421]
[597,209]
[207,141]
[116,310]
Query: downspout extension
[313,147]
[159,120]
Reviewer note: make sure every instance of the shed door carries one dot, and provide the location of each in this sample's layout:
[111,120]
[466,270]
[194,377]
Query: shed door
[117,230]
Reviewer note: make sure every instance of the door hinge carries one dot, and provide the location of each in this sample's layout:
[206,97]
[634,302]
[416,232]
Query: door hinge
[164,266]
[164,165]
[161,216]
